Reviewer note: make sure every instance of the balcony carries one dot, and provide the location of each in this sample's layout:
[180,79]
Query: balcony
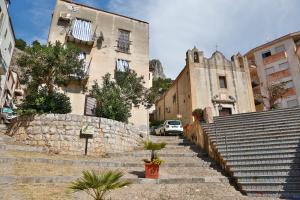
[82,33]
[274,58]
[279,75]
[3,66]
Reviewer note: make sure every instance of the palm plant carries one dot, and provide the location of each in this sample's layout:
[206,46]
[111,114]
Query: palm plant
[97,185]
[153,147]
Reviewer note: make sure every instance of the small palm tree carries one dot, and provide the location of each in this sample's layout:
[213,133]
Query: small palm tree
[97,185]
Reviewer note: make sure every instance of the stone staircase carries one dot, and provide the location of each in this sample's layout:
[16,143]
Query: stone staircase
[28,172]
[260,150]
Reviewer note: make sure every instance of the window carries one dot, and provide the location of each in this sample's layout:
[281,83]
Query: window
[10,47]
[270,70]
[280,48]
[123,41]
[222,82]
[292,103]
[289,84]
[284,66]
[174,98]
[122,65]
[266,54]
[196,57]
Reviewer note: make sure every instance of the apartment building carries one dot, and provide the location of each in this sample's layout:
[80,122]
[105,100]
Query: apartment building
[109,42]
[278,61]
[7,43]
[217,83]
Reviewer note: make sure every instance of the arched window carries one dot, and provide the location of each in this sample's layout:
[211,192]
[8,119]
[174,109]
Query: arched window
[196,57]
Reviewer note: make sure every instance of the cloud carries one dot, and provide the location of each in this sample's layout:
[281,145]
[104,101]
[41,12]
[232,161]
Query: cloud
[233,25]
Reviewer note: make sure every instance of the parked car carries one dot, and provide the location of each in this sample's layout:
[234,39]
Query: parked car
[158,130]
[7,115]
[171,127]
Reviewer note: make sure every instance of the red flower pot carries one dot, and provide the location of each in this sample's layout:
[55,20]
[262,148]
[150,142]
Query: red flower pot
[151,171]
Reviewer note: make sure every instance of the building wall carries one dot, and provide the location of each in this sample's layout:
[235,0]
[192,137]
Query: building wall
[292,73]
[198,86]
[103,54]
[7,44]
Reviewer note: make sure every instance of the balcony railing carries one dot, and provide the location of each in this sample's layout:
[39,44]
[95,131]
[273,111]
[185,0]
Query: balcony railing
[123,46]
[3,66]
[279,75]
[274,58]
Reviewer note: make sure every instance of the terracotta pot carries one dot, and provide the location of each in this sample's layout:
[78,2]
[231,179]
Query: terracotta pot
[151,171]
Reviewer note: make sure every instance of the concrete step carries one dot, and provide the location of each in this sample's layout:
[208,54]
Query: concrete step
[67,179]
[105,163]
[270,186]
[283,137]
[265,167]
[260,152]
[269,142]
[24,148]
[257,158]
[264,172]
[265,161]
[268,179]
[248,131]
[295,194]
[161,154]
[261,148]
[252,123]
[257,136]
[258,114]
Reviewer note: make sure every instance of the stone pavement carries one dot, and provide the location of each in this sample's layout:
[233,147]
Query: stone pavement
[186,174]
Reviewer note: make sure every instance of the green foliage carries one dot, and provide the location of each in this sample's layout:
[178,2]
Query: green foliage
[45,102]
[198,113]
[132,86]
[116,98]
[97,185]
[21,44]
[44,69]
[159,87]
[111,103]
[153,147]
[156,123]
[149,145]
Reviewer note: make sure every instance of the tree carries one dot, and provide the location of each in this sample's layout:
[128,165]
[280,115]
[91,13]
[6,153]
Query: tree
[275,93]
[21,44]
[97,185]
[111,103]
[44,69]
[116,98]
[159,87]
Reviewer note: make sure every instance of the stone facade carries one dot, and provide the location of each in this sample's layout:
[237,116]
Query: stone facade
[115,40]
[60,134]
[216,82]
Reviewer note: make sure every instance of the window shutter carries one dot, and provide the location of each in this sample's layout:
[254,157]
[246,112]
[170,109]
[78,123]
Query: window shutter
[90,106]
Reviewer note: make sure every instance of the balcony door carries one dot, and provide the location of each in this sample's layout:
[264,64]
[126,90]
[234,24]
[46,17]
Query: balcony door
[225,112]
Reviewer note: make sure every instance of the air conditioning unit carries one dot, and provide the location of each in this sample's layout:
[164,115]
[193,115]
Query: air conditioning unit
[65,16]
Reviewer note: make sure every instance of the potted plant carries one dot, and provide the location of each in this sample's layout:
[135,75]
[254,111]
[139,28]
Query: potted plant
[152,165]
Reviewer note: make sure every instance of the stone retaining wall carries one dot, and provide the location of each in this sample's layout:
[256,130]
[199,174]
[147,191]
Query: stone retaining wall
[60,133]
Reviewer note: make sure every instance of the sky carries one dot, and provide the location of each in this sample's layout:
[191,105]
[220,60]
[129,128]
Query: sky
[231,26]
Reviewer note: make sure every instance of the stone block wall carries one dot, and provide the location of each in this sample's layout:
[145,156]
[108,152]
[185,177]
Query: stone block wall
[60,134]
